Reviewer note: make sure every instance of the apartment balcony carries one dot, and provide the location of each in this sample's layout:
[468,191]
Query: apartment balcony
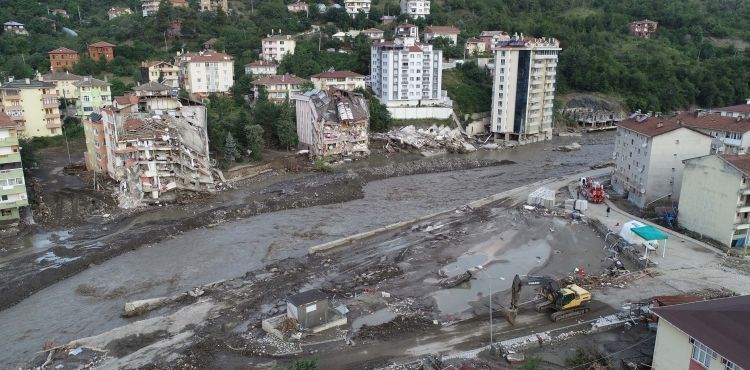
[51,126]
[11,96]
[50,104]
[49,96]
[18,118]
[13,189]
[52,116]
[10,158]
[742,224]
[9,141]
[742,208]
[745,191]
[12,173]
[14,204]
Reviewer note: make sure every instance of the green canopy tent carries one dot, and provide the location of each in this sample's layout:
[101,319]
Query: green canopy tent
[651,233]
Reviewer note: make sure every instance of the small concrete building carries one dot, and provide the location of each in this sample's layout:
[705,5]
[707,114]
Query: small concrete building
[715,198]
[261,68]
[345,80]
[475,46]
[160,71]
[15,27]
[415,8]
[333,123]
[643,28]
[447,32]
[707,335]
[649,154]
[309,308]
[280,88]
[353,7]
[374,33]
[276,47]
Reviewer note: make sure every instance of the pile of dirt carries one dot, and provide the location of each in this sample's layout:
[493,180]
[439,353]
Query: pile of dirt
[741,264]
[377,274]
[70,207]
[712,293]
[401,324]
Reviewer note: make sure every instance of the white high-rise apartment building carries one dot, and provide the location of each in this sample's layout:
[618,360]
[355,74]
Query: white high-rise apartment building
[275,47]
[415,8]
[204,73]
[405,72]
[355,6]
[523,91]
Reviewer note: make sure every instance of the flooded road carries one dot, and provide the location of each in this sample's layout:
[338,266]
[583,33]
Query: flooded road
[90,302]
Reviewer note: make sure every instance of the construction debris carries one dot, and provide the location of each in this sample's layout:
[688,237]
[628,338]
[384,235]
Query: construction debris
[568,148]
[434,137]
[543,197]
[455,280]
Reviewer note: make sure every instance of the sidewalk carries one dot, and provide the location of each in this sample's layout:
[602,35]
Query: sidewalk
[688,264]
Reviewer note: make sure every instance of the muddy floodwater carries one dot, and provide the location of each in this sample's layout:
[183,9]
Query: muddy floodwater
[91,301]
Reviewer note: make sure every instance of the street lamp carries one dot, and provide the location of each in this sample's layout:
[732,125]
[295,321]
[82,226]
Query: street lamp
[490,278]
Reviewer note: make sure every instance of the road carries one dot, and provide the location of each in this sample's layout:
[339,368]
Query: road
[90,302]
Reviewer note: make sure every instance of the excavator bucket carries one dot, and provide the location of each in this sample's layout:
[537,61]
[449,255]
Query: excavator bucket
[510,315]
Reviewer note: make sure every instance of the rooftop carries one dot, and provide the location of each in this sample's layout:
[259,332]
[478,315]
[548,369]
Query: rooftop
[12,23]
[739,108]
[102,44]
[207,56]
[89,81]
[442,29]
[336,105]
[152,86]
[27,84]
[713,122]
[62,50]
[126,100]
[61,76]
[151,63]
[280,79]
[308,296]
[647,125]
[740,161]
[336,74]
[372,30]
[261,63]
[720,324]
[277,37]
[5,121]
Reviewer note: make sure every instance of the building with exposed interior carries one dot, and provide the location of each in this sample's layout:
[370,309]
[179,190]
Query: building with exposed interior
[333,123]
[275,47]
[95,156]
[707,335]
[415,8]
[649,154]
[523,89]
[475,46]
[298,7]
[280,88]
[62,59]
[644,28]
[354,7]
[101,49]
[261,68]
[344,80]
[156,146]
[33,105]
[715,198]
[206,73]
[406,30]
[12,183]
[160,71]
[91,95]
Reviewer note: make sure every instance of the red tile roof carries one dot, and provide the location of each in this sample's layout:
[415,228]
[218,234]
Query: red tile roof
[102,44]
[713,122]
[740,108]
[372,30]
[337,74]
[261,63]
[126,100]
[62,50]
[5,121]
[133,124]
[442,29]
[280,79]
[740,162]
[402,25]
[654,126]
[720,324]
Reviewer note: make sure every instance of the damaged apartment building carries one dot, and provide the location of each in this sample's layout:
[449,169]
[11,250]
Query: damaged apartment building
[156,143]
[333,123]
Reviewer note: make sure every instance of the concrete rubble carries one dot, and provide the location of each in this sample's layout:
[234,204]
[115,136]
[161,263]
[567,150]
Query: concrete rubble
[568,148]
[432,138]
[542,197]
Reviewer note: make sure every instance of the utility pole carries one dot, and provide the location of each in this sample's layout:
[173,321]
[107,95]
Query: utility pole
[80,21]
[166,48]
[320,38]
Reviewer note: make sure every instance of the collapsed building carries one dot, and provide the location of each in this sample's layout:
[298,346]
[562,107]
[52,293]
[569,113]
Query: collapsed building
[333,123]
[155,145]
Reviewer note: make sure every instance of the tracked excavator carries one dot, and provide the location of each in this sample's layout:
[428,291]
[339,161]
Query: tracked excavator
[566,303]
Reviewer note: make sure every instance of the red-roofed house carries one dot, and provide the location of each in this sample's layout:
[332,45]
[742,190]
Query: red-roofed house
[62,59]
[280,88]
[739,110]
[732,134]
[649,154]
[344,80]
[643,28]
[101,49]
[707,335]
[448,32]
[298,7]
[261,68]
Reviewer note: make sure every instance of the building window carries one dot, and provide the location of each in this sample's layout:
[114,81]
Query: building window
[4,198]
[702,354]
[729,365]
[6,212]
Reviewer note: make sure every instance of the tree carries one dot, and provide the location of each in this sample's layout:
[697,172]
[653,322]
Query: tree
[311,364]
[254,137]
[230,148]
[16,67]
[286,129]
[380,117]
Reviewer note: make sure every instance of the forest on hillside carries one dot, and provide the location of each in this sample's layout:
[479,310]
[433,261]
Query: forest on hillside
[697,56]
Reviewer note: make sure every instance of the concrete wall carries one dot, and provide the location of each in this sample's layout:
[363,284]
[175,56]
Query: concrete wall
[709,197]
[420,112]
[672,350]
[664,171]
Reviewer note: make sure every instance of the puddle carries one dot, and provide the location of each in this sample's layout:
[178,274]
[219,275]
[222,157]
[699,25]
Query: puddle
[378,317]
[464,262]
[497,276]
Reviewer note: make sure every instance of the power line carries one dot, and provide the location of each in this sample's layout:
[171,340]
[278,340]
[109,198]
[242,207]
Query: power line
[612,354]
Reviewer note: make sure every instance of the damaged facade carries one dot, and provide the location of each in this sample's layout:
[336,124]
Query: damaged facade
[333,123]
[157,146]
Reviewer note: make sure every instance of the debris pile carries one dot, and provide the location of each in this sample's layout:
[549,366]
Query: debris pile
[543,197]
[377,274]
[434,137]
[401,324]
[568,148]
[607,280]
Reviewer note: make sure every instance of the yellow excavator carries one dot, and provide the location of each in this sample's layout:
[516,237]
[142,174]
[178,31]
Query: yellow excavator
[568,302]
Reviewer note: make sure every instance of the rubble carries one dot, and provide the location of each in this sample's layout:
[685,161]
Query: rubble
[434,137]
[568,148]
[401,324]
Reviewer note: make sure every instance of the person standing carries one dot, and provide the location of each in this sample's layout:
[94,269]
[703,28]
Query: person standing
[607,211]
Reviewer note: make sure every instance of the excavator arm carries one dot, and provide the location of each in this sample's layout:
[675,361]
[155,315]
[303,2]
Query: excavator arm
[546,283]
